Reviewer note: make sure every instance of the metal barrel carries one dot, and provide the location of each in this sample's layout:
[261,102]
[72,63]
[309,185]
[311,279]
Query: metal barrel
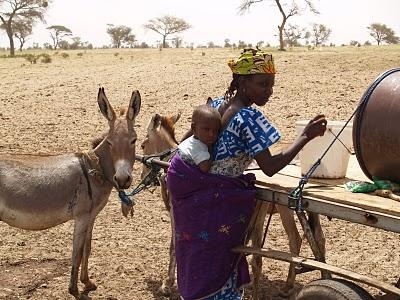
[376,128]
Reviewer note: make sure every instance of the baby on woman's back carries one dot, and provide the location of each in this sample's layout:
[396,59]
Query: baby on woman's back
[206,124]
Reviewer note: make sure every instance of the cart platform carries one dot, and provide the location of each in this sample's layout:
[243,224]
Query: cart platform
[329,197]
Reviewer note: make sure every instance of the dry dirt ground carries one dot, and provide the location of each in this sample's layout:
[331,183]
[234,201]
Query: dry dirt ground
[51,108]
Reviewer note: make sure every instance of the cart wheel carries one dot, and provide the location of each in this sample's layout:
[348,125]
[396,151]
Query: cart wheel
[333,289]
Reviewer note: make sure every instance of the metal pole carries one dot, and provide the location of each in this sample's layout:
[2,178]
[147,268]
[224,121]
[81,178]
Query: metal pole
[152,160]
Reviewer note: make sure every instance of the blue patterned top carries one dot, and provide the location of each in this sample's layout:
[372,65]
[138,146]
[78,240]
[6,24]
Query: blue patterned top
[247,134]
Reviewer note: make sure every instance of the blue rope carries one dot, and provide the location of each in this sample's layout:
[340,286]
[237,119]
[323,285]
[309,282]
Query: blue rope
[149,179]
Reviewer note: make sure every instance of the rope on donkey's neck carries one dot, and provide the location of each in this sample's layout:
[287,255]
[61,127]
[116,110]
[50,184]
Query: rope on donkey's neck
[151,177]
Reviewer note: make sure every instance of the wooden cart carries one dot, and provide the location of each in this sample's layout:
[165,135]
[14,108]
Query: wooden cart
[330,198]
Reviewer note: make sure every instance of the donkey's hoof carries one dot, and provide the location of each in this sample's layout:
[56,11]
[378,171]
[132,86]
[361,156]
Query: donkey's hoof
[84,297]
[74,292]
[286,292]
[89,286]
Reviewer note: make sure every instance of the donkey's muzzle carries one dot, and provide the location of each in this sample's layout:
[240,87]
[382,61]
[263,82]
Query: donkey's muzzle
[123,181]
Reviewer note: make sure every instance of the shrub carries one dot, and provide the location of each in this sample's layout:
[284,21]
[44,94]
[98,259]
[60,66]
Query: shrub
[80,54]
[45,58]
[31,58]
[64,55]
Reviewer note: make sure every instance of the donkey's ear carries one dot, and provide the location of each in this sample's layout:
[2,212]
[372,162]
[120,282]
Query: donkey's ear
[176,117]
[155,123]
[105,106]
[134,105]
[209,100]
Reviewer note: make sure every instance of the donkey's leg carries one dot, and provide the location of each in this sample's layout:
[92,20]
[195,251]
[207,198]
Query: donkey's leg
[294,239]
[89,285]
[80,231]
[170,280]
[256,234]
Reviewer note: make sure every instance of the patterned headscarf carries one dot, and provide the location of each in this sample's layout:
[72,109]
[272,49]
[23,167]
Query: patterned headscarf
[252,61]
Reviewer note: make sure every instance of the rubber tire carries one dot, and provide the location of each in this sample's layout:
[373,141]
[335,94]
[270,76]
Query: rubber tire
[333,289]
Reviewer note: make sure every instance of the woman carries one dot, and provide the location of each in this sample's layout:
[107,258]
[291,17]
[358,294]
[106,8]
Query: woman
[212,211]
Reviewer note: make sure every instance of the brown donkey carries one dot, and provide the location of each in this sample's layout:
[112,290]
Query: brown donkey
[45,192]
[160,137]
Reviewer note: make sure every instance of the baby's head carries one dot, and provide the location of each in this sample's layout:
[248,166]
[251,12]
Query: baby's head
[206,123]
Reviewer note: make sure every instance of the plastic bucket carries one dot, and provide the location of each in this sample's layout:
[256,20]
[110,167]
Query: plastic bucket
[335,162]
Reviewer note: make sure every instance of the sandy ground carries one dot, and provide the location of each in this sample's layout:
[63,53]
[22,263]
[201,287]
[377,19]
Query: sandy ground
[52,108]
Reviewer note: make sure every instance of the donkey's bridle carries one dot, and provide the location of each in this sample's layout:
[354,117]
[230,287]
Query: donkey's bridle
[155,162]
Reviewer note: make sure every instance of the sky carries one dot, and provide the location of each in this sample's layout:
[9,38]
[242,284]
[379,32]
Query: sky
[213,20]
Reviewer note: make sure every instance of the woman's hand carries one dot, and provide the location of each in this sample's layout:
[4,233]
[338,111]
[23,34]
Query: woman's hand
[316,127]
[271,164]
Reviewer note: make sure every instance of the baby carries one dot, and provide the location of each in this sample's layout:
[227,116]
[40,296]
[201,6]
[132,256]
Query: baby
[206,123]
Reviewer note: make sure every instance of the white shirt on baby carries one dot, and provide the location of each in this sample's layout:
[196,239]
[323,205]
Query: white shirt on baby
[193,150]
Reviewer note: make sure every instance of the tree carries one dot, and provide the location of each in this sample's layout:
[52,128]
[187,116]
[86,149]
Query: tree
[354,43]
[292,10]
[121,35]
[320,34]
[292,35]
[382,33]
[177,41]
[22,29]
[306,37]
[11,10]
[167,25]
[242,44]
[58,33]
[76,43]
[227,43]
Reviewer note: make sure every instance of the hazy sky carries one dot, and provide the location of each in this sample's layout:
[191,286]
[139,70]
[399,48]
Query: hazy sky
[213,20]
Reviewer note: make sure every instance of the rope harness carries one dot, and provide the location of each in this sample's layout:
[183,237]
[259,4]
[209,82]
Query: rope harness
[151,178]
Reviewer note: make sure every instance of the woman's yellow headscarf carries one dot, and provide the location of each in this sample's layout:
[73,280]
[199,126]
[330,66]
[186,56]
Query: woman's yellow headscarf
[252,61]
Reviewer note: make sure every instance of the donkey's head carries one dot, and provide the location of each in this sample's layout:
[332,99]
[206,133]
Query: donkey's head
[160,136]
[119,144]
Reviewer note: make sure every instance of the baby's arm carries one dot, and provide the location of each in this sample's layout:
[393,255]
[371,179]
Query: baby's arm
[205,165]
[202,156]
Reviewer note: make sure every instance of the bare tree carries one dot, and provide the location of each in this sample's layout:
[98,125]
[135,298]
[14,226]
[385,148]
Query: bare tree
[167,25]
[382,33]
[11,10]
[22,29]
[292,35]
[320,34]
[58,33]
[121,35]
[177,41]
[292,10]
